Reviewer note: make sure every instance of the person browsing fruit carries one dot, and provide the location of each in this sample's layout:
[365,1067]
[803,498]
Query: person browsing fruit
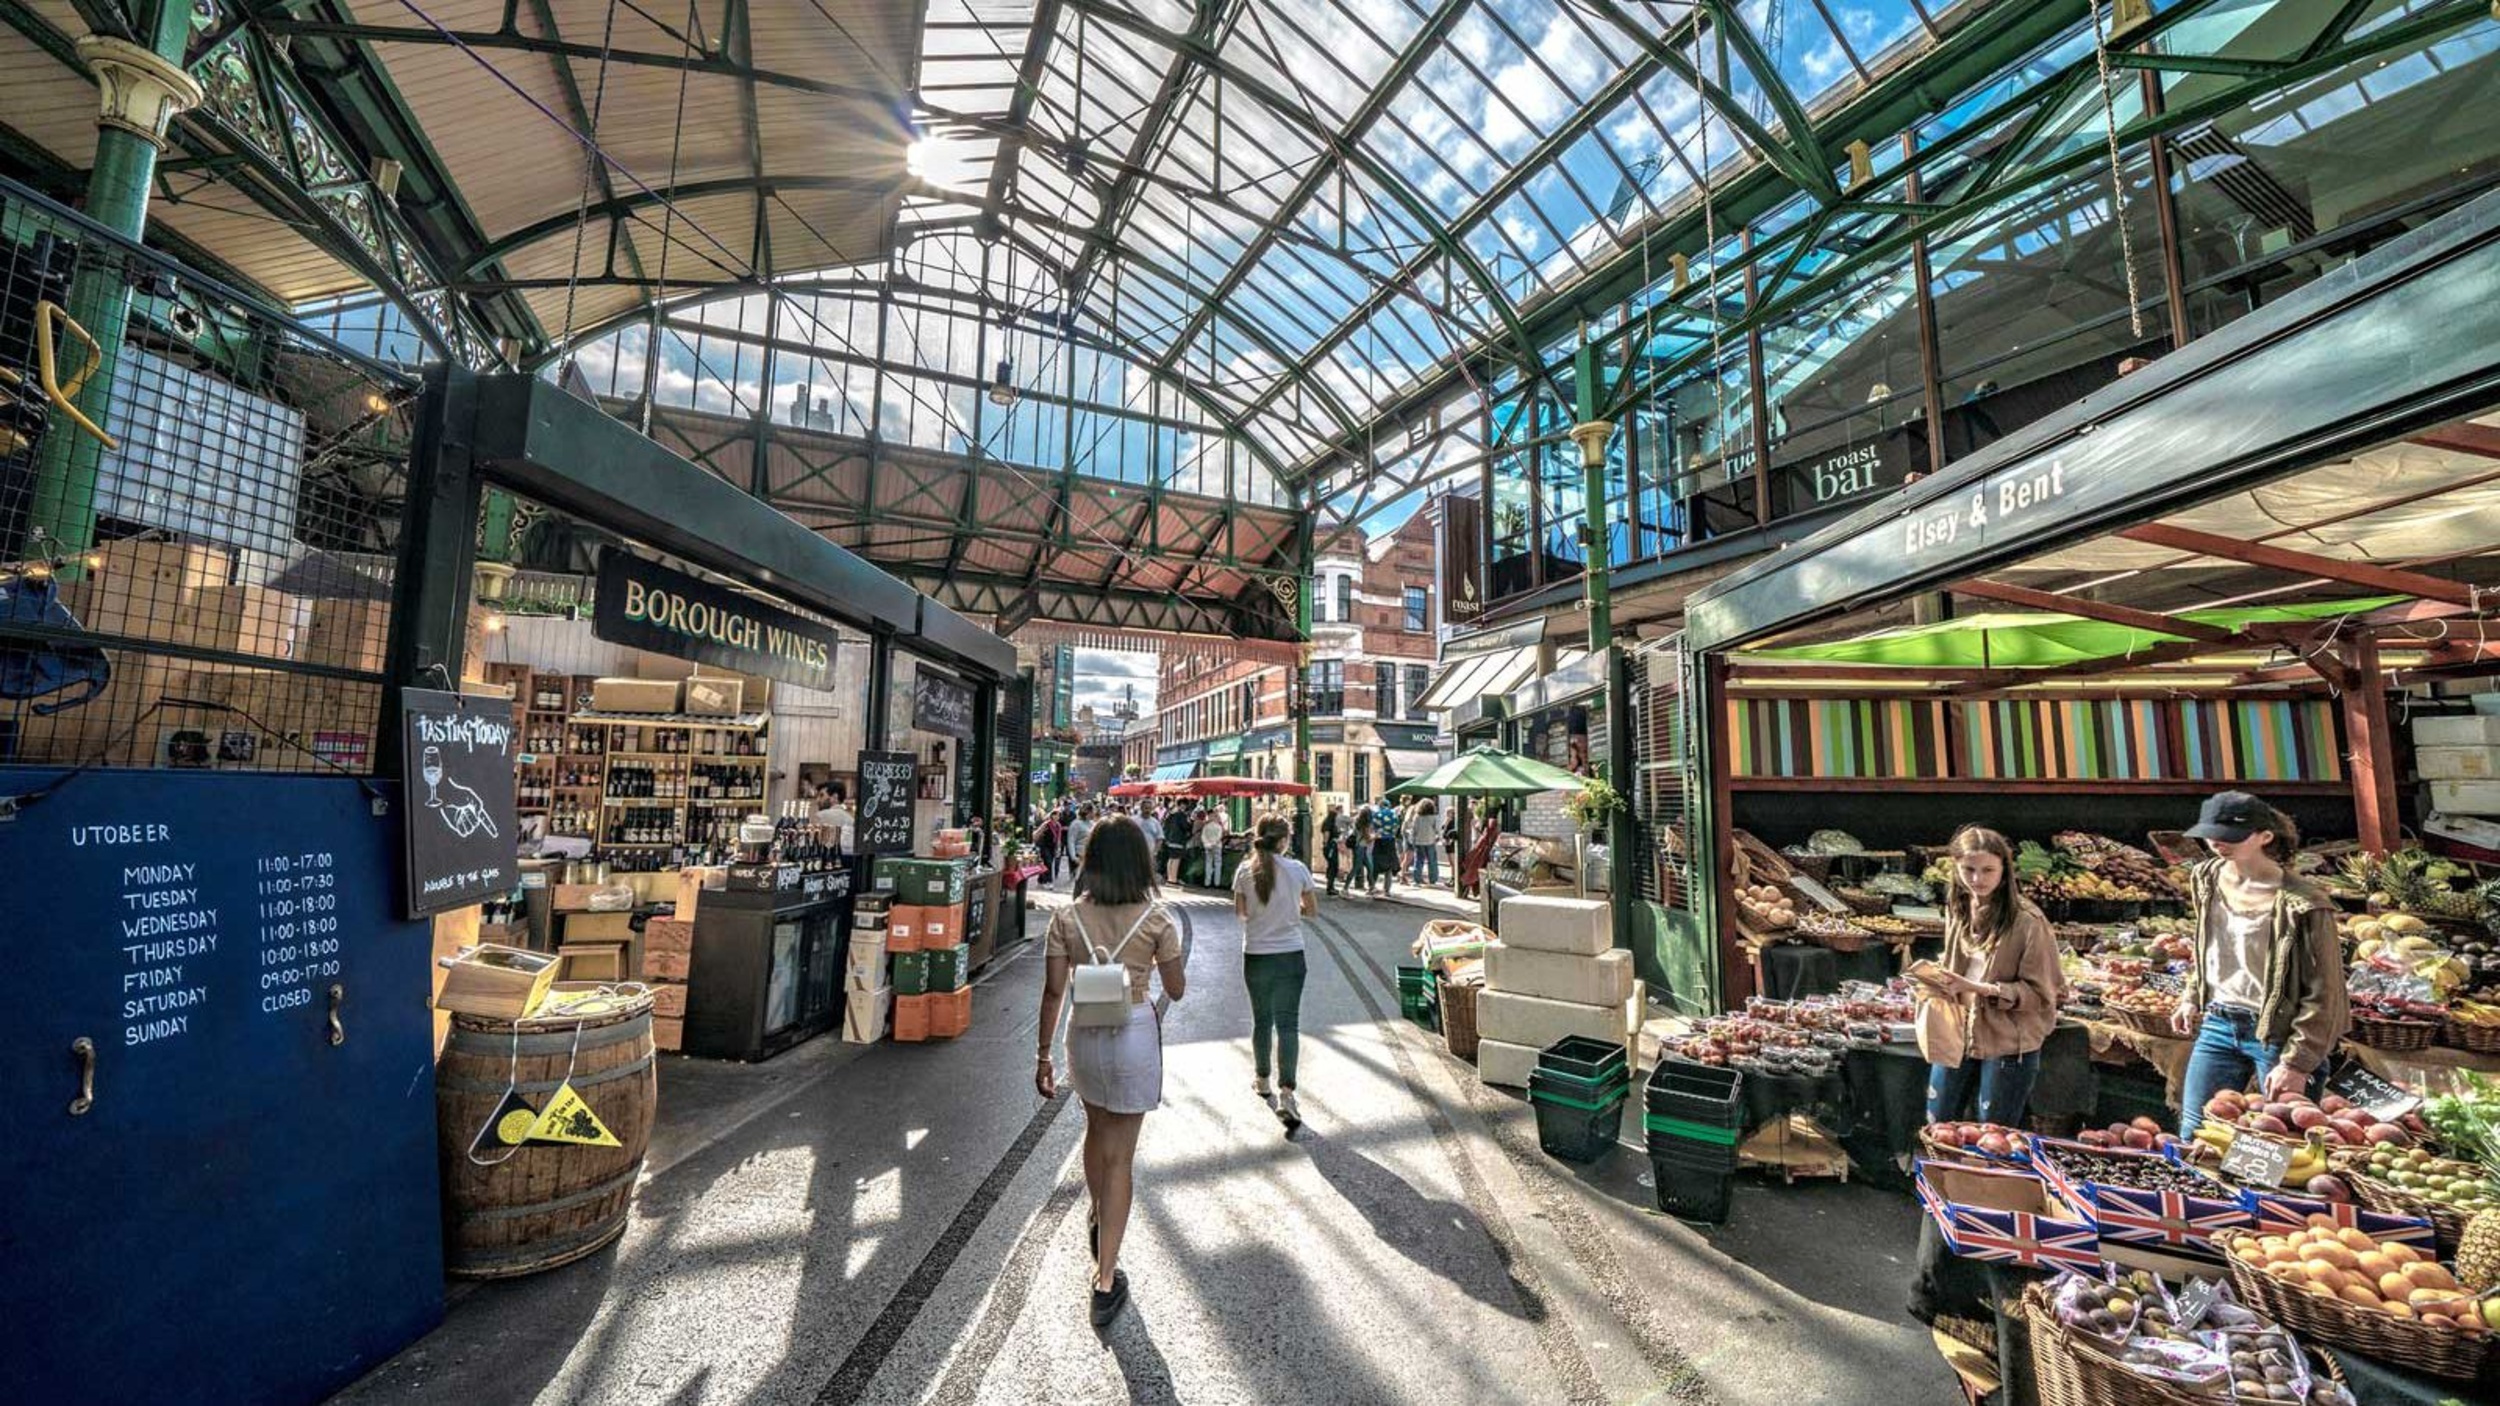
[2000,966]
[2265,999]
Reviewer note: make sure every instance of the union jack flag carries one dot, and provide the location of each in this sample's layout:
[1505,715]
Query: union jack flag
[2171,1218]
[2021,1237]
[2279,1213]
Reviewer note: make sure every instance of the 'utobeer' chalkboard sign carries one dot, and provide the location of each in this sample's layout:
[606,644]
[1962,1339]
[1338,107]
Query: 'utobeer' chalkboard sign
[459,799]
[939,704]
[888,785]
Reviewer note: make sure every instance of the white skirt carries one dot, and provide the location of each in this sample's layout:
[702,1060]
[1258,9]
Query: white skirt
[1119,1068]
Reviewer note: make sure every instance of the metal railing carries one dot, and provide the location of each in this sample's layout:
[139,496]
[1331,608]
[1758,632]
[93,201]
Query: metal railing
[199,511]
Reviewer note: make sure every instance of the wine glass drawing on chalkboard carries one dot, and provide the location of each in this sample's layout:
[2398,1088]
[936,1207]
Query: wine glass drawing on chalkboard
[465,814]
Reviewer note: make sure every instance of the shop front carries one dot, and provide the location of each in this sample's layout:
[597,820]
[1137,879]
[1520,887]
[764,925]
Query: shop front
[2264,563]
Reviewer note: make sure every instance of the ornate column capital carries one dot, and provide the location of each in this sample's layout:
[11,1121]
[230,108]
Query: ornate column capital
[141,91]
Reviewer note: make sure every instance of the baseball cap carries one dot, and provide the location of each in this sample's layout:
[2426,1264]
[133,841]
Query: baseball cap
[2230,816]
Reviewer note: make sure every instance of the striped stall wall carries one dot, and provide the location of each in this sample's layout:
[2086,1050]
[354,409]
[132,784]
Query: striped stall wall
[2036,739]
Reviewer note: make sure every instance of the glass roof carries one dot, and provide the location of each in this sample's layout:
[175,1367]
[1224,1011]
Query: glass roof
[1309,207]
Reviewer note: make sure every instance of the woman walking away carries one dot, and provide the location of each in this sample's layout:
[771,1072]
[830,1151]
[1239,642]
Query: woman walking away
[1049,838]
[1272,895]
[1385,848]
[1332,845]
[2000,976]
[1359,849]
[1423,831]
[2266,1000]
[1108,944]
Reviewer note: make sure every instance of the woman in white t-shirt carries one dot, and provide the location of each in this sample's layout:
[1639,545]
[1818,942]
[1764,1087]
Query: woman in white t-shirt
[1272,894]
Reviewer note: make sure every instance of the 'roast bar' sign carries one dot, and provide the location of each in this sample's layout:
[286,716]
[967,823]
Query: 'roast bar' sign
[648,606]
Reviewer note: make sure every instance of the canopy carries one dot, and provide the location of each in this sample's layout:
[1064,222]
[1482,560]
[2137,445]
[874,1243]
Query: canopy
[1173,771]
[1488,771]
[2037,640]
[1230,786]
[1132,788]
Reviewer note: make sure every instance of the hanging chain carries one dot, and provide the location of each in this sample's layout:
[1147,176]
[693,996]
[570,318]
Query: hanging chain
[2117,175]
[591,157]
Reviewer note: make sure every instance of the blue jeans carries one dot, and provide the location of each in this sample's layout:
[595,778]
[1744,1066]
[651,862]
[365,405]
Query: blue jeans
[2003,1086]
[2228,1055]
[1426,859]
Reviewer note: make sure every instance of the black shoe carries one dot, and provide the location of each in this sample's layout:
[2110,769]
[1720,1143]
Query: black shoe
[1107,1306]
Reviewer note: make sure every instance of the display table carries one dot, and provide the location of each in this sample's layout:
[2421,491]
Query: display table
[767,969]
[1794,970]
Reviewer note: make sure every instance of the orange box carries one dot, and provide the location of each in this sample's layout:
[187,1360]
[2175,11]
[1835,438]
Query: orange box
[950,1014]
[668,1000]
[940,927]
[911,1017]
[659,965]
[903,927]
[667,935]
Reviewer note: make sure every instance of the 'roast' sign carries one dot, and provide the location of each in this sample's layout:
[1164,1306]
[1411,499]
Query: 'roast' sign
[648,606]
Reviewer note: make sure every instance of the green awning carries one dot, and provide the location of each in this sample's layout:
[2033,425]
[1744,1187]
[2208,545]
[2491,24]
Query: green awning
[1174,771]
[1489,771]
[2036,640]
[1224,749]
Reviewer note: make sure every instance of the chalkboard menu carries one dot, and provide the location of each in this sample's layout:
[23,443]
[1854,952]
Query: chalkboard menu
[458,799]
[889,783]
[939,704]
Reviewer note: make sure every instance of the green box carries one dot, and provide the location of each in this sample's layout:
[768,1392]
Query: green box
[950,968]
[911,974]
[938,883]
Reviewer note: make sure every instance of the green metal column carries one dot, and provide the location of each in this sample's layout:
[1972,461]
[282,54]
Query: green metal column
[1298,689]
[141,90]
[494,539]
[1590,434]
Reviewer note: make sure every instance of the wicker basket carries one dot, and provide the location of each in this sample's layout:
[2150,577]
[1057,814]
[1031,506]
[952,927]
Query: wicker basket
[2315,1317]
[1817,867]
[2481,1039]
[1862,902]
[2157,1026]
[2070,1369]
[2447,1222]
[1458,1016]
[2382,1033]
[1852,939]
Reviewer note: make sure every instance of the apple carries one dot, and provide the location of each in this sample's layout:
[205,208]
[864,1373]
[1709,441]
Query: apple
[2139,1139]
[2144,1123]
[1945,1135]
[1996,1145]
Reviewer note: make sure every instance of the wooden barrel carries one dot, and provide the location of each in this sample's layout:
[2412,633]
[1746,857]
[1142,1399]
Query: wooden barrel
[542,1204]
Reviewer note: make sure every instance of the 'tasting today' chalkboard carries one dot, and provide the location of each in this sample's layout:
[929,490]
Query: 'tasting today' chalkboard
[888,785]
[459,799]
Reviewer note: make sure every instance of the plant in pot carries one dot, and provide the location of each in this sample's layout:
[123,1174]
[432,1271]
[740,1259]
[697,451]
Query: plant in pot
[1593,805]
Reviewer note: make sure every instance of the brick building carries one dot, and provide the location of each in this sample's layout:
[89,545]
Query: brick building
[1373,623]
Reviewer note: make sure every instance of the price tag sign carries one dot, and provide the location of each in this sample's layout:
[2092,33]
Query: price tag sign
[2194,1302]
[2356,1085]
[2257,1161]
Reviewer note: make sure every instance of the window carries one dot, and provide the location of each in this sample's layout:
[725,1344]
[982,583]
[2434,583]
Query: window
[1345,600]
[1418,609]
[1327,687]
[1418,678]
[1249,702]
[1362,778]
[1384,690]
[1324,771]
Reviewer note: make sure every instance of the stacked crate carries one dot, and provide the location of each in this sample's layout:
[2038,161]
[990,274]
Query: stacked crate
[667,956]
[927,934]
[1554,973]
[867,996]
[2460,757]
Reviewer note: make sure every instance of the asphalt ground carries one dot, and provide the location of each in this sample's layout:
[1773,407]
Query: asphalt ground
[906,1224]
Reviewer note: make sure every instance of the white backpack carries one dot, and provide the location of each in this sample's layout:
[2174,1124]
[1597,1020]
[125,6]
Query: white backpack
[1098,990]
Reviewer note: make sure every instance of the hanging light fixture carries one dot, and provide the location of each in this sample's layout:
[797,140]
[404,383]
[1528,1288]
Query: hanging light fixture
[1003,392]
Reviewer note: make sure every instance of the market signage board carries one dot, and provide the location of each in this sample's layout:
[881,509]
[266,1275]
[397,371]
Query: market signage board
[649,606]
[457,801]
[2357,1085]
[889,783]
[1462,559]
[1852,469]
[939,704]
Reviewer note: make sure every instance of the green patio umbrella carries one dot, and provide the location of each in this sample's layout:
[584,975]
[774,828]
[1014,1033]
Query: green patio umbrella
[1488,771]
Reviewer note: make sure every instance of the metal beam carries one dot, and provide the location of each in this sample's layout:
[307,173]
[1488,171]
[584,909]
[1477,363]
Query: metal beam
[2102,611]
[619,206]
[2273,558]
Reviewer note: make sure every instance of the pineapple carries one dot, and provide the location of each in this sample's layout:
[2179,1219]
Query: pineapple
[2478,1254]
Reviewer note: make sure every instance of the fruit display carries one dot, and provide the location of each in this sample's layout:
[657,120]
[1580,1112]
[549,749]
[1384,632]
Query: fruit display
[1814,923]
[2137,1171]
[1884,925]
[2142,1001]
[2469,1187]
[2121,864]
[2332,1121]
[2082,884]
[2141,1134]
[1795,1037]
[1992,1139]
[1767,907]
[2266,1364]
[2400,944]
[2416,881]
[2344,1263]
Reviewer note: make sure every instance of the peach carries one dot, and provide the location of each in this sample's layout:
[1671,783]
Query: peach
[2431,1275]
[2377,1265]
[2356,1239]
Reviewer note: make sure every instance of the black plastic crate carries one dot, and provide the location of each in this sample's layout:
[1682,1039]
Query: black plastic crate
[1576,1129]
[1583,1058]
[1696,1093]
[1690,1193]
[1617,1084]
[1689,1145]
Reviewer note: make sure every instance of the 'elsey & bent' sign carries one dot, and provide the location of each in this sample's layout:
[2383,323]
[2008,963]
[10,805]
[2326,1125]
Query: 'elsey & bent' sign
[649,606]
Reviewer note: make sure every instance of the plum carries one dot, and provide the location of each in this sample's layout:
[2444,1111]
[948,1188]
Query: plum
[2308,1116]
[2268,1123]
[2147,1124]
[2139,1139]
[2335,1103]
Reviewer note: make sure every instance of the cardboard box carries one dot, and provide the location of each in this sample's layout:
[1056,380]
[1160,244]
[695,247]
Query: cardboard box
[346,634]
[668,1000]
[2466,797]
[666,935]
[145,589]
[1505,1065]
[572,898]
[941,927]
[864,967]
[666,966]
[865,1015]
[594,961]
[500,983]
[2461,730]
[243,620]
[2175,1222]
[668,1032]
[597,927]
[2457,763]
[1602,980]
[938,883]
[1582,927]
[2009,1216]
[2283,1212]
[911,973]
[911,1018]
[950,1013]
[690,885]
[634,696]
[902,929]
[950,968]
[714,696]
[1536,1022]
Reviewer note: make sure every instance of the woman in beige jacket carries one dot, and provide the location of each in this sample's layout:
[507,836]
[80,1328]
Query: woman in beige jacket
[2000,963]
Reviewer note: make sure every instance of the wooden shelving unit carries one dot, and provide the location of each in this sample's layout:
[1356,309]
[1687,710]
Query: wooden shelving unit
[571,757]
